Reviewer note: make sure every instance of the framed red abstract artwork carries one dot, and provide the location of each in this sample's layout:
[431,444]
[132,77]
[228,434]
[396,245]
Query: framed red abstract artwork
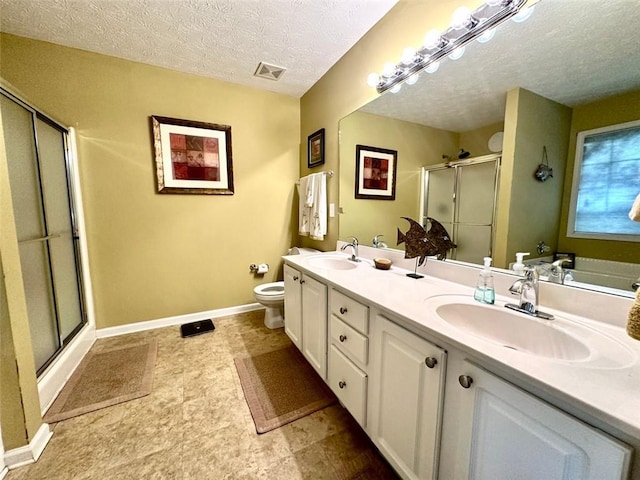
[376,173]
[192,157]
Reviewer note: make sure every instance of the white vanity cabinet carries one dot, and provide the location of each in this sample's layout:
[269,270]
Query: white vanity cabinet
[493,429]
[406,392]
[433,408]
[293,305]
[349,353]
[305,305]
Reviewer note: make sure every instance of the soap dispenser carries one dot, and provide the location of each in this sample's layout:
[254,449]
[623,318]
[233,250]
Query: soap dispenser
[518,267]
[485,292]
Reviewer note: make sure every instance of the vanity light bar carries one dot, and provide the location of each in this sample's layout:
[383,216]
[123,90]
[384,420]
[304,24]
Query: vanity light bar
[466,27]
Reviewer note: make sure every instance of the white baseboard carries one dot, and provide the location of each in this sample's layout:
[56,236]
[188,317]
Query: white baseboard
[56,376]
[177,320]
[21,456]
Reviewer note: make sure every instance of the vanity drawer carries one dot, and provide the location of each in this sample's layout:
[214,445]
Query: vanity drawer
[349,341]
[349,310]
[349,384]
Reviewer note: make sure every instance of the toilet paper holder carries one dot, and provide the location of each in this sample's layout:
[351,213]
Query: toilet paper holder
[260,269]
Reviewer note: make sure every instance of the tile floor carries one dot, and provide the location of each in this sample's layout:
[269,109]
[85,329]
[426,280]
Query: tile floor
[196,424]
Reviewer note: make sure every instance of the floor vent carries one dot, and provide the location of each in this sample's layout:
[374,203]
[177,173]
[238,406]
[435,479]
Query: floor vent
[271,72]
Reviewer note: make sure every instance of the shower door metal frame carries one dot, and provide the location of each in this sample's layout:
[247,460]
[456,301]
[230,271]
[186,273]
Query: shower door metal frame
[71,201]
[457,165]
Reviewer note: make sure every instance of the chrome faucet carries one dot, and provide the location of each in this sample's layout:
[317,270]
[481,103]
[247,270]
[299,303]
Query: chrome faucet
[559,274]
[527,288]
[377,243]
[354,249]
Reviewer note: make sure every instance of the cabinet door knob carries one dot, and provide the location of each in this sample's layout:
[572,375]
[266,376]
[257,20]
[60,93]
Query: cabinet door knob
[431,362]
[465,381]
[343,338]
[342,384]
[295,278]
[301,282]
[343,310]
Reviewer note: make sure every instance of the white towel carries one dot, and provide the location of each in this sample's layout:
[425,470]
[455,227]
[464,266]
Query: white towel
[312,215]
[634,214]
[318,227]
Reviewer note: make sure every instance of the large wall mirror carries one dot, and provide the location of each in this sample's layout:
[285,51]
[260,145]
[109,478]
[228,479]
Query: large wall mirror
[574,65]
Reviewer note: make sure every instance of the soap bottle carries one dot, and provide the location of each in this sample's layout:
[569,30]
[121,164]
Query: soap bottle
[518,267]
[485,292]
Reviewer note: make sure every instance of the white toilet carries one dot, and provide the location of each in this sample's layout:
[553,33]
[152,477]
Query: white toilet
[271,295]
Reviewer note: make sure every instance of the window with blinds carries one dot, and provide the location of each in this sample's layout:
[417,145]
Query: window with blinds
[606,181]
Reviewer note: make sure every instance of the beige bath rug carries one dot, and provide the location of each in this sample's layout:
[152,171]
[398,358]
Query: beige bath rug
[105,378]
[280,387]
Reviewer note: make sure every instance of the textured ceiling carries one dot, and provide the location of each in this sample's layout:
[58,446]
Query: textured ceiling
[223,39]
[570,51]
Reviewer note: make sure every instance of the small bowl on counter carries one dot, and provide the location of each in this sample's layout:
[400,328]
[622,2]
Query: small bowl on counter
[382,263]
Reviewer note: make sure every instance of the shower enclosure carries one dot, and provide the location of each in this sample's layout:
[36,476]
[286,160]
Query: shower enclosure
[37,151]
[461,195]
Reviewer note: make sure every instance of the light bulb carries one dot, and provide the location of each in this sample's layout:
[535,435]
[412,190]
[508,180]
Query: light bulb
[461,18]
[457,53]
[408,56]
[433,68]
[432,39]
[412,79]
[396,88]
[486,36]
[388,69]
[523,14]
[373,79]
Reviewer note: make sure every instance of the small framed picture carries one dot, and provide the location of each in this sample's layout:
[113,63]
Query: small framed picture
[376,173]
[315,149]
[192,157]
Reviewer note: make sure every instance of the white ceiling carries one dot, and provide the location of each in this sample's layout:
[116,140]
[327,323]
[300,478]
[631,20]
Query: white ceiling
[570,51]
[222,39]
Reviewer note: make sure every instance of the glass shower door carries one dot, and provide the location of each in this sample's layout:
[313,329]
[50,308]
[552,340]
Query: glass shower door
[476,195]
[40,193]
[461,196]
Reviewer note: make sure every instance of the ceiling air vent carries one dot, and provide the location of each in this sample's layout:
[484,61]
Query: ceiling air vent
[266,70]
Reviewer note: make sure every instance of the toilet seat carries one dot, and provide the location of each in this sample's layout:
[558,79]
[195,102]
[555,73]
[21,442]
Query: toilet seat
[270,290]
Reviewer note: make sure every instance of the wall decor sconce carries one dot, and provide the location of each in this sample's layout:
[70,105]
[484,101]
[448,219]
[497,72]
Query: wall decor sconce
[544,171]
[466,26]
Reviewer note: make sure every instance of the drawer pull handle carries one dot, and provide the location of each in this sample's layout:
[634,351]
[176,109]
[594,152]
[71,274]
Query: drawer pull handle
[343,310]
[343,338]
[431,362]
[342,384]
[301,282]
[465,381]
[295,278]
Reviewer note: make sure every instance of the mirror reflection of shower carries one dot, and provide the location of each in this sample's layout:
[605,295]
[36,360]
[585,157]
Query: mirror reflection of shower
[462,194]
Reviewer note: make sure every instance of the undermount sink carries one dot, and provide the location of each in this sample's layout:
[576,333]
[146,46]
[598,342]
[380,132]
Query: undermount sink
[560,339]
[330,262]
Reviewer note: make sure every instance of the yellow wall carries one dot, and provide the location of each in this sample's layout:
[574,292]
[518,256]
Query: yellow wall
[416,145]
[151,255]
[476,141]
[343,89]
[610,111]
[529,210]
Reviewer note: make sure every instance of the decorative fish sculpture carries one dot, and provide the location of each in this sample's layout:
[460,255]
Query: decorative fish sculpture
[439,237]
[423,243]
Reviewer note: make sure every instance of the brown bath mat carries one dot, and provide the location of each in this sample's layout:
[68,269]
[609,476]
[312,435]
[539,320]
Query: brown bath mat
[280,387]
[105,378]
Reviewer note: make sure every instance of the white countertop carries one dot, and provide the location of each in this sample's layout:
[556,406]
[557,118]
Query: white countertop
[605,391]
